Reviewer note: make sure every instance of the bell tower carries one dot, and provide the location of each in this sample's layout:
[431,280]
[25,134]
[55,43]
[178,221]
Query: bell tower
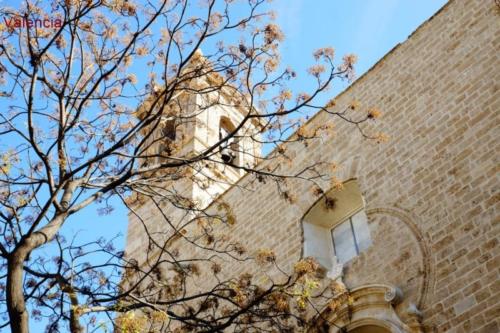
[209,118]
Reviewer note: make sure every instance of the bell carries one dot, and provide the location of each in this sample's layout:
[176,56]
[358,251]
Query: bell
[227,157]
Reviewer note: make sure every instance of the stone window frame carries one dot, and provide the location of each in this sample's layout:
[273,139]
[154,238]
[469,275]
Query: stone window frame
[334,207]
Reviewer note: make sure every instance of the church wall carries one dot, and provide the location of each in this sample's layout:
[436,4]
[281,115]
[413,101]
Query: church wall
[431,191]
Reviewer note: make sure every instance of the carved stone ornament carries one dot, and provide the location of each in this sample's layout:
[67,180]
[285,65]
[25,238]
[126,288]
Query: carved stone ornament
[372,305]
[393,295]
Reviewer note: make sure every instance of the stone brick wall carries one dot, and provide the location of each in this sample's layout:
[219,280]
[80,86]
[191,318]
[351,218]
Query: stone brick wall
[431,192]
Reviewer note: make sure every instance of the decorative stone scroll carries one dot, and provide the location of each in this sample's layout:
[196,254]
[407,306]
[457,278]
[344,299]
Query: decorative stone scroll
[393,295]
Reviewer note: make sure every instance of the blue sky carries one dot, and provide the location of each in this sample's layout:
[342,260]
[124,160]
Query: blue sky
[368,28]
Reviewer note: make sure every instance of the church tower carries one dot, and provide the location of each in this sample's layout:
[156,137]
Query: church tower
[194,122]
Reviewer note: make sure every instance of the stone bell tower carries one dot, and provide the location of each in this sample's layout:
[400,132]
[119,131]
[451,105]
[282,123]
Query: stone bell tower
[192,123]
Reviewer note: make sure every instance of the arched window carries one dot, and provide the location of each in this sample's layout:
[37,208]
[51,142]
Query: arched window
[336,227]
[168,134]
[169,130]
[229,149]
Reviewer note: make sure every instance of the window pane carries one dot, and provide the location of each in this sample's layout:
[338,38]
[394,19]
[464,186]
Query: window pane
[361,230]
[345,248]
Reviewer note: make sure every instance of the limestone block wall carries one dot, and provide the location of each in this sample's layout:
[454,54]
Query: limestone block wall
[431,192]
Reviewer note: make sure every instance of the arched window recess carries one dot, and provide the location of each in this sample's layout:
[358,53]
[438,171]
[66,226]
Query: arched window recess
[230,148]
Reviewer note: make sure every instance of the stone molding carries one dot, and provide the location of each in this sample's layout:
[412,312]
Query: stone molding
[372,304]
[412,224]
